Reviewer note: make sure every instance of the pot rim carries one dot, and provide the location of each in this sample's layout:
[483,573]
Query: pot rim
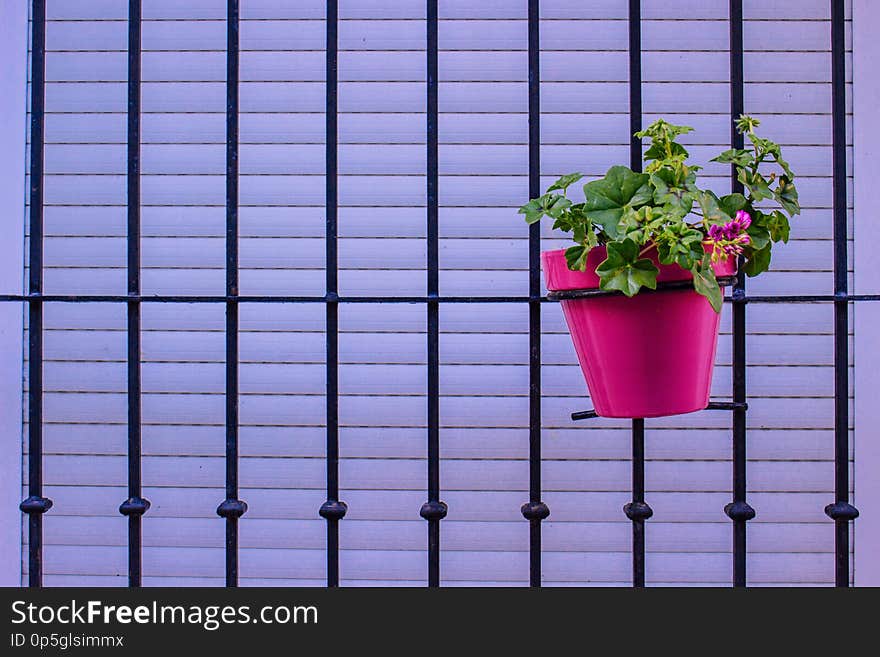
[559,278]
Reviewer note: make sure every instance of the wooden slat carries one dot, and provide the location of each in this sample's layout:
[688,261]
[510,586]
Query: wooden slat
[562,380]
[456,34]
[298,221]
[388,347]
[460,535]
[411,565]
[804,319]
[371,159]
[458,443]
[455,66]
[462,475]
[584,97]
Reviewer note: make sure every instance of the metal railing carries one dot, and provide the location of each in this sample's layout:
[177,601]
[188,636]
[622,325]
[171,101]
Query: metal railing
[433,510]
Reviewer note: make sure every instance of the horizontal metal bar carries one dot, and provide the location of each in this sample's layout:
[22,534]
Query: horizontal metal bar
[727,406]
[811,298]
[124,298]
[243,298]
[562,295]
[713,406]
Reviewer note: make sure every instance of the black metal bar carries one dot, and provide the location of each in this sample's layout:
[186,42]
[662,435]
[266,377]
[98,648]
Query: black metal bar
[562,295]
[135,506]
[153,298]
[534,510]
[635,83]
[232,508]
[713,406]
[727,406]
[35,505]
[841,511]
[637,510]
[333,510]
[433,510]
[738,510]
[810,298]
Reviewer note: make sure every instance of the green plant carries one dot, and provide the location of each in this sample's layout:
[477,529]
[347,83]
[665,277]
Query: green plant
[633,214]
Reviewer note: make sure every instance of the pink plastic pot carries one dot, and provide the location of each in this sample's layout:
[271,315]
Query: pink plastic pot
[646,356]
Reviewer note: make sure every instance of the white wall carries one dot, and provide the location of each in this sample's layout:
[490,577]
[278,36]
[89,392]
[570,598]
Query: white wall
[484,349]
[866,95]
[13,80]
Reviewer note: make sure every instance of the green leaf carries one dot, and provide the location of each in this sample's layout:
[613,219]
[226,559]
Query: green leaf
[732,203]
[674,200]
[787,195]
[759,236]
[533,210]
[676,253]
[764,146]
[608,197]
[641,225]
[681,245]
[779,227]
[711,207]
[657,151]
[757,184]
[563,223]
[565,181]
[623,270]
[576,257]
[706,284]
[661,129]
[620,253]
[758,261]
[777,155]
[556,205]
[571,217]
[759,231]
[738,156]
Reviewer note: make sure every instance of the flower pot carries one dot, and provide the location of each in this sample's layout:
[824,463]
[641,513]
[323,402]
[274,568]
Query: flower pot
[650,355]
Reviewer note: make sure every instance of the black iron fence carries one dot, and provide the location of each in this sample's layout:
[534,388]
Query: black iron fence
[433,510]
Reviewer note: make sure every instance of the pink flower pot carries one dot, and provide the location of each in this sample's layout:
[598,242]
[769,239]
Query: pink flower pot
[646,356]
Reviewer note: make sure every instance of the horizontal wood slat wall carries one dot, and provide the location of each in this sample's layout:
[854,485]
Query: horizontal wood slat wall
[484,349]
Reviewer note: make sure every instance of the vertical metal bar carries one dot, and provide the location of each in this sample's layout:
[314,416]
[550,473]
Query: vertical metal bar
[333,510]
[841,511]
[433,510]
[635,83]
[534,510]
[35,505]
[738,510]
[135,506]
[637,510]
[232,508]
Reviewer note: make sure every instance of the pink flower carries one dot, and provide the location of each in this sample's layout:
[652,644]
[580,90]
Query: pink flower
[728,239]
[743,218]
